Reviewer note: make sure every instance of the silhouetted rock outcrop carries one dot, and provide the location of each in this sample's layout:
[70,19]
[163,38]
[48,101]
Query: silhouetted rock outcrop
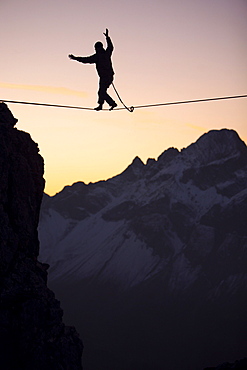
[32,333]
[237,365]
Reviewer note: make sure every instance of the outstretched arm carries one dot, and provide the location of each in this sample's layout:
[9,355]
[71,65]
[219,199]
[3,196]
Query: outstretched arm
[90,59]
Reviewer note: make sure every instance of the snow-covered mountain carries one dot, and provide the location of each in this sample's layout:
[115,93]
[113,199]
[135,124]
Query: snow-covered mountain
[161,248]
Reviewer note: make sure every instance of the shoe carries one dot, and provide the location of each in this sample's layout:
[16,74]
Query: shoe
[114,105]
[99,107]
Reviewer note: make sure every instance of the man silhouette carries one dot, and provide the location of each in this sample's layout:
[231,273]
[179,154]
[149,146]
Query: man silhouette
[102,59]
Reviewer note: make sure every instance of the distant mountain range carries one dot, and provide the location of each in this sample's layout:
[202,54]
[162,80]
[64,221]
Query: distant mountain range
[150,265]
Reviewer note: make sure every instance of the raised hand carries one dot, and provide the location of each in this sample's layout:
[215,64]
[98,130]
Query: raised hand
[106,32]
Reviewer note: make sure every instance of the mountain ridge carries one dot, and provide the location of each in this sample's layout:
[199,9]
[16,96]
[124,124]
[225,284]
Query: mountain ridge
[160,245]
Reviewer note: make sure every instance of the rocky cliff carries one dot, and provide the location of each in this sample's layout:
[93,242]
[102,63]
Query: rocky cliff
[32,333]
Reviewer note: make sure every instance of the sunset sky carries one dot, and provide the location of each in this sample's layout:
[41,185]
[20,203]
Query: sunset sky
[165,50]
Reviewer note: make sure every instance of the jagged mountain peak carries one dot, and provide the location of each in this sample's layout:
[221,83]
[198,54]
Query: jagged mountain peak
[133,171]
[137,162]
[135,166]
[168,155]
[213,146]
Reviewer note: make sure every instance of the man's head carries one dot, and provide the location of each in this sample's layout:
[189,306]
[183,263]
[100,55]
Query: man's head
[98,46]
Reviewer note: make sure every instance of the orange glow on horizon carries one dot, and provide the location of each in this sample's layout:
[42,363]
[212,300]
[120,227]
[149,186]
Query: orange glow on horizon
[44,89]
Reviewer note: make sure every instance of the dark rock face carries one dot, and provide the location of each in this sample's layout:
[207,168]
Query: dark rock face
[237,365]
[32,333]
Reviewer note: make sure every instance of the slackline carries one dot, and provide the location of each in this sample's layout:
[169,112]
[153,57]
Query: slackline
[130,109]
